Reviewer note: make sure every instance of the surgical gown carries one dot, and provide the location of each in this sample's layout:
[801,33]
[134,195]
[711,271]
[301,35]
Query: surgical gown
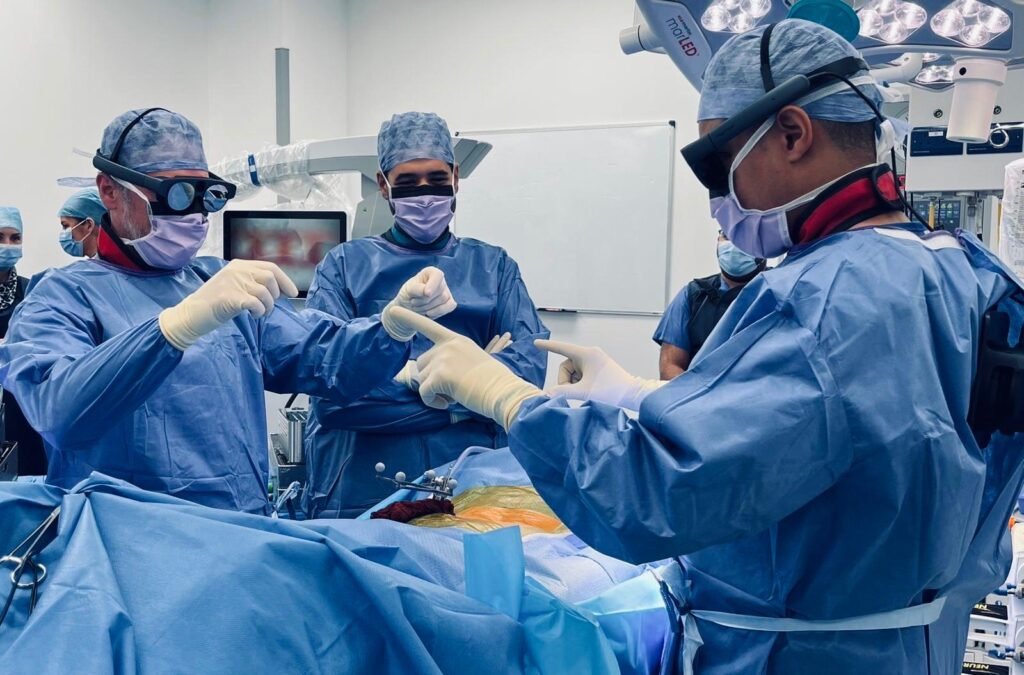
[391,424]
[815,462]
[86,360]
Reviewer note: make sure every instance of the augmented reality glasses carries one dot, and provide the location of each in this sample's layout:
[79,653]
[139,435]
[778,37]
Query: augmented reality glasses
[175,196]
[401,192]
[705,155]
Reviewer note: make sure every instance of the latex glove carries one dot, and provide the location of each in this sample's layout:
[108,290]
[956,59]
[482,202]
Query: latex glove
[409,376]
[457,369]
[589,374]
[426,293]
[240,285]
[498,343]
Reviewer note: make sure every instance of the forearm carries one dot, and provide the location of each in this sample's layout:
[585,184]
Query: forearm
[316,354]
[382,415]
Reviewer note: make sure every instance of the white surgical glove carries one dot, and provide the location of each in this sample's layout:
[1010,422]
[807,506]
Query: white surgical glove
[409,375]
[589,374]
[240,285]
[457,369]
[498,343]
[426,293]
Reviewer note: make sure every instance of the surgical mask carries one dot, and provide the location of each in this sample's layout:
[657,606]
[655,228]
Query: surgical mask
[765,234]
[10,254]
[173,241]
[423,217]
[70,245]
[735,262]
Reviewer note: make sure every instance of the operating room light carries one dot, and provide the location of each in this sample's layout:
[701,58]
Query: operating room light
[891,21]
[935,75]
[734,16]
[970,22]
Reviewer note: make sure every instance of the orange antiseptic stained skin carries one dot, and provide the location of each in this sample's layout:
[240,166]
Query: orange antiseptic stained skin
[483,509]
[506,517]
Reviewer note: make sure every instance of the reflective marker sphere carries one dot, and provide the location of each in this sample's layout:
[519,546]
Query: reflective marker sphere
[379,468]
[400,476]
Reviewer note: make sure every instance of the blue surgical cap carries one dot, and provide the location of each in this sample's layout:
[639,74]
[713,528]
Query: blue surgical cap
[10,216]
[160,141]
[732,80]
[413,135]
[84,204]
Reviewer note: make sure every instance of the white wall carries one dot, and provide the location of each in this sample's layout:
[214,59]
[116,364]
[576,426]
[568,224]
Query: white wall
[242,37]
[69,67]
[492,64]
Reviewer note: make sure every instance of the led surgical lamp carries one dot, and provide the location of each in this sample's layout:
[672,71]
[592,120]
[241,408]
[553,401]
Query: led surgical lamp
[966,44]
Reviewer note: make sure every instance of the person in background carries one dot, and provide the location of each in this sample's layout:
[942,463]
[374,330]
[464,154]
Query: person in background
[149,364]
[419,178]
[697,309]
[80,219]
[31,455]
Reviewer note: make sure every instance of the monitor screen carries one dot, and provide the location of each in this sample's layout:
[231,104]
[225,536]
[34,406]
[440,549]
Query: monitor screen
[295,240]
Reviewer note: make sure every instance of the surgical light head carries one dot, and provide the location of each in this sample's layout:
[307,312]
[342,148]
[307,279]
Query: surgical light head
[945,32]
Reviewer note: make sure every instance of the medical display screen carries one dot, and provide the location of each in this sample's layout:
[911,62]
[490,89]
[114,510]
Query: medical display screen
[296,240]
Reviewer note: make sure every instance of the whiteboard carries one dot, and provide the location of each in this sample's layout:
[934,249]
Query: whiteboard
[585,211]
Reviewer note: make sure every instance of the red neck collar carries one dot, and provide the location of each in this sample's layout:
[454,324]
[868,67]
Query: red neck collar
[111,249]
[863,194]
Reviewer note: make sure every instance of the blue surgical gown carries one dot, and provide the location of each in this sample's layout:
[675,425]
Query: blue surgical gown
[86,360]
[391,424]
[815,461]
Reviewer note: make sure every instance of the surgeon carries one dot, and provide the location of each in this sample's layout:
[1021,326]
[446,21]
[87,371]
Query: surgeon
[80,219]
[419,178]
[696,310]
[149,364]
[814,469]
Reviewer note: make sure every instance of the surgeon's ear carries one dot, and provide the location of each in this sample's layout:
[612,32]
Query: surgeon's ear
[797,132]
[383,185]
[455,177]
[108,190]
